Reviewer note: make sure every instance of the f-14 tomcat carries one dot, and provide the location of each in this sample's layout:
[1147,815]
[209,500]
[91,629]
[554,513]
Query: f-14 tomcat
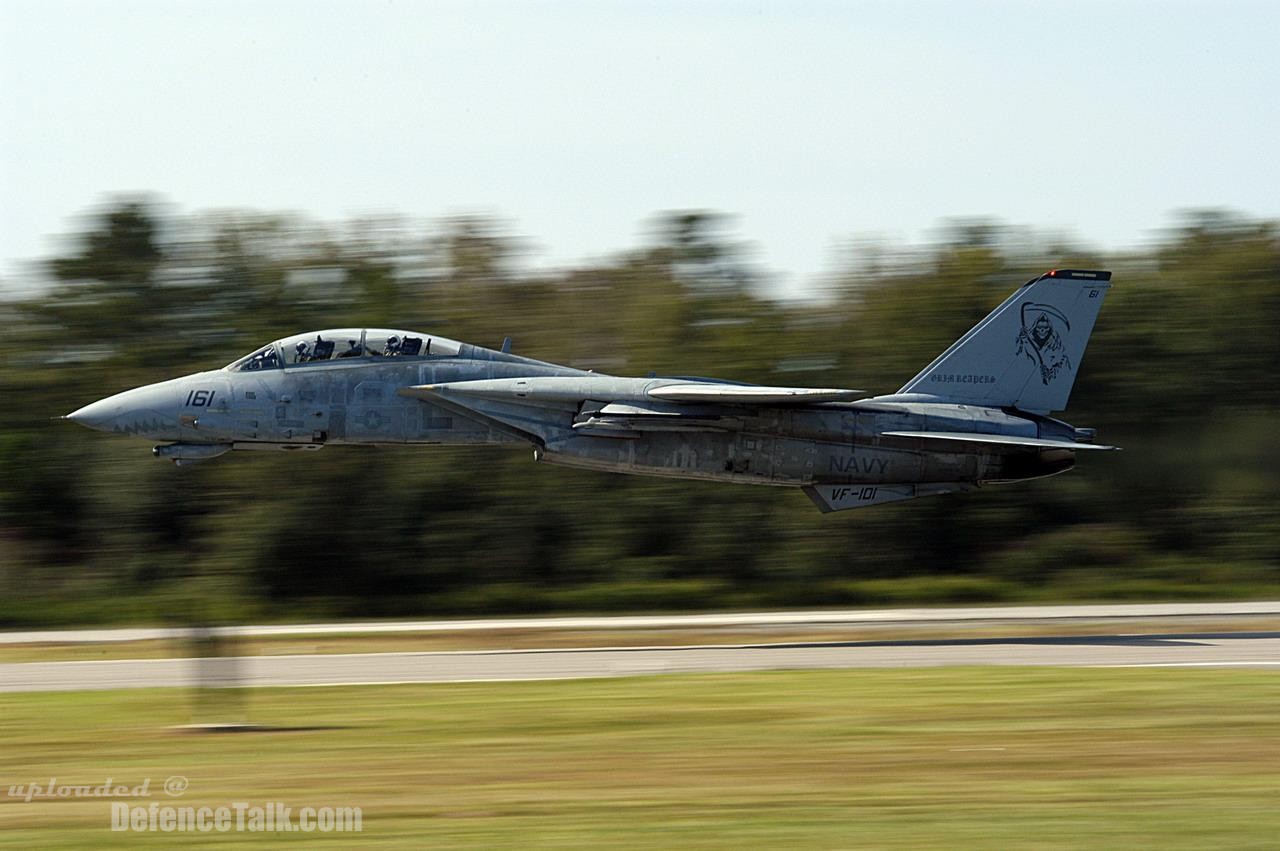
[978,414]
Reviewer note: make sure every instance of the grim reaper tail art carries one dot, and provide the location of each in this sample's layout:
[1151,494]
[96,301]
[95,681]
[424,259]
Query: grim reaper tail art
[1041,339]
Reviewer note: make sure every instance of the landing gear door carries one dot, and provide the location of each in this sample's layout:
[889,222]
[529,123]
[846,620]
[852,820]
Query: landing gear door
[298,421]
[302,412]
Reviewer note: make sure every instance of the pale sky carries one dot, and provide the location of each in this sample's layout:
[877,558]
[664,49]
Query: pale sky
[810,122]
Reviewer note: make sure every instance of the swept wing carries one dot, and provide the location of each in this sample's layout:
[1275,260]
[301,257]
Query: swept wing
[550,407]
[750,394]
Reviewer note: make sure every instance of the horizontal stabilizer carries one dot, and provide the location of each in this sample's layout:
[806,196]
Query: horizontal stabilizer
[750,394]
[1009,440]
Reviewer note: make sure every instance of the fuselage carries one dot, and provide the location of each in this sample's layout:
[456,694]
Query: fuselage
[359,401]
[977,414]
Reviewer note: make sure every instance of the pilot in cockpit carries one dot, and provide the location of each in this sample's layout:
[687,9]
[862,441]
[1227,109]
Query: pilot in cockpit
[265,359]
[393,346]
[303,352]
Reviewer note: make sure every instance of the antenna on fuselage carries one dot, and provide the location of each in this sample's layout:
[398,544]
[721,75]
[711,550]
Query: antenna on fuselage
[506,345]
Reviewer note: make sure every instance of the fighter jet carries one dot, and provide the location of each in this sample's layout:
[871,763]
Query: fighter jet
[977,415]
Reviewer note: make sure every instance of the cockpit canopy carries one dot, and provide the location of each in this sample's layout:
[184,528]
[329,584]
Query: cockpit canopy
[339,343]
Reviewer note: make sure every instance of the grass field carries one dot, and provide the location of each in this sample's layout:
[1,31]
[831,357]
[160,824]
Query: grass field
[940,758]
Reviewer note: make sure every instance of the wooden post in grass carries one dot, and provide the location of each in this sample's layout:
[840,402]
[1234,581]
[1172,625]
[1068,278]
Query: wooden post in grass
[218,701]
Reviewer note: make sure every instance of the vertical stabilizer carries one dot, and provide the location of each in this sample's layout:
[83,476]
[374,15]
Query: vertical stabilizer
[1027,351]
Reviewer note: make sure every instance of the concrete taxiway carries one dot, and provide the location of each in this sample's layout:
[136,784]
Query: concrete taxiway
[1114,613]
[1260,649]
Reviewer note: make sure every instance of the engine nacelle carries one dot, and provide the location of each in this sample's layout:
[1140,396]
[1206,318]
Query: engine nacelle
[1020,466]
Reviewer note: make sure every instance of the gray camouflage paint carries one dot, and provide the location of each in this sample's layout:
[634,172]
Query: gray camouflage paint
[468,395]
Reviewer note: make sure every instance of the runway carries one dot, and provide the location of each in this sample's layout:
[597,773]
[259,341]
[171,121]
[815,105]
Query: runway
[842,617]
[1260,649]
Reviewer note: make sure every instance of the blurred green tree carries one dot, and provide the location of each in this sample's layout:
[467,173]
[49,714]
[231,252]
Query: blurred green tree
[1180,372]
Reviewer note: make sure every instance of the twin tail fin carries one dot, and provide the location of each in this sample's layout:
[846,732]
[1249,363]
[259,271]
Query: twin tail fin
[1025,354]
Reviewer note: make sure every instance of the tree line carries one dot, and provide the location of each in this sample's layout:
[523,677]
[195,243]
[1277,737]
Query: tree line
[1180,372]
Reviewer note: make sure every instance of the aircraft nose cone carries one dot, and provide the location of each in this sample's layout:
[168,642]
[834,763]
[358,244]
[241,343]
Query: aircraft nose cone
[144,411]
[99,415]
